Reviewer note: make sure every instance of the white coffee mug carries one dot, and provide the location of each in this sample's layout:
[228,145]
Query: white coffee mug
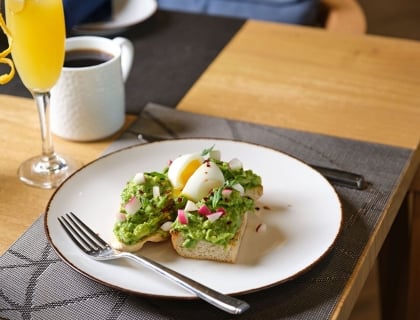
[88,102]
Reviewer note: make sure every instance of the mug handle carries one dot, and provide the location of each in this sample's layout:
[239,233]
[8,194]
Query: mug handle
[127,55]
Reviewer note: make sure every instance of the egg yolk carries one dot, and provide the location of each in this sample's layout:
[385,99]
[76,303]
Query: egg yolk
[188,171]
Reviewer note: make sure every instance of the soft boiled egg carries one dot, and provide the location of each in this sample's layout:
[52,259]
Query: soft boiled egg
[182,168]
[202,181]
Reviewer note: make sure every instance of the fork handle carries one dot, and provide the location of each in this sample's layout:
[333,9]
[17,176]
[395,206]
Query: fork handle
[217,299]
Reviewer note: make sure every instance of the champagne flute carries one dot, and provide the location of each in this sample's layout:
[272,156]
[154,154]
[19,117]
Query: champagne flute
[38,32]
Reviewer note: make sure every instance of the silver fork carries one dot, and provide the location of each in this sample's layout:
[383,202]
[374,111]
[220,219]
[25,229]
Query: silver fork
[94,246]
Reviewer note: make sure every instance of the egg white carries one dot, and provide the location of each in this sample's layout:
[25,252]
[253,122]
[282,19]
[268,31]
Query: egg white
[202,181]
[182,168]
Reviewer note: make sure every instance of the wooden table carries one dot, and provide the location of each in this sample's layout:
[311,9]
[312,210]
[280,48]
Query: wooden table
[360,87]
[21,204]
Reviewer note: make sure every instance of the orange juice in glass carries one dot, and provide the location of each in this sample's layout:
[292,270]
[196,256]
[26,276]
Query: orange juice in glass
[38,32]
[37,28]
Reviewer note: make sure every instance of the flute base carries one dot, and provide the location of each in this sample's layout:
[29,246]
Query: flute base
[47,172]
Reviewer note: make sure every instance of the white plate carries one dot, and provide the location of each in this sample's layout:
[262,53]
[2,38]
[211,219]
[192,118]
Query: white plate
[300,208]
[125,14]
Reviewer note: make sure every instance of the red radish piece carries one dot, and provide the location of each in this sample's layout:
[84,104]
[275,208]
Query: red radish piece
[156,191]
[226,193]
[262,227]
[166,226]
[121,216]
[204,210]
[215,215]
[239,187]
[235,164]
[139,178]
[182,216]
[132,206]
[215,154]
[190,206]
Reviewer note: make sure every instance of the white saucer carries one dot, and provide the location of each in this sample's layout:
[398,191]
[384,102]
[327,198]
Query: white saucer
[125,14]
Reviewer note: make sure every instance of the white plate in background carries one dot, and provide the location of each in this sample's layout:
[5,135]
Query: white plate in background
[126,13]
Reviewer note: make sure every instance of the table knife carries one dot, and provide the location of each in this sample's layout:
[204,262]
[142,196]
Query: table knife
[341,177]
[335,176]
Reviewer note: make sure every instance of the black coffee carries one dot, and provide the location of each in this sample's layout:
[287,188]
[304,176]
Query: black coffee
[85,58]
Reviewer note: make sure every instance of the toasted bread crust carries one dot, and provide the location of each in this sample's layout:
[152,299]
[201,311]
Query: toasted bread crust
[255,193]
[205,250]
[155,237]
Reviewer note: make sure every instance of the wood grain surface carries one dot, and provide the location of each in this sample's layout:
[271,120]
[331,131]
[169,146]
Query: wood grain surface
[355,86]
[21,139]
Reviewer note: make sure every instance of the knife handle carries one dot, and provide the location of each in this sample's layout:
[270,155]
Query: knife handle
[342,178]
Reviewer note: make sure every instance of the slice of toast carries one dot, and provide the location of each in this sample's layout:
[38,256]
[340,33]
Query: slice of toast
[158,236]
[254,193]
[205,250]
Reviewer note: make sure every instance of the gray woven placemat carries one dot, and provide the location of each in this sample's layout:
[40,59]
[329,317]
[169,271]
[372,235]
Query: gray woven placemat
[36,284]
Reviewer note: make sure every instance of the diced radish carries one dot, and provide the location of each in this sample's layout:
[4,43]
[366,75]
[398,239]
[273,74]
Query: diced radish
[215,154]
[182,216]
[132,206]
[239,187]
[156,191]
[120,216]
[166,226]
[226,193]
[139,178]
[262,227]
[235,164]
[190,206]
[204,210]
[222,210]
[215,215]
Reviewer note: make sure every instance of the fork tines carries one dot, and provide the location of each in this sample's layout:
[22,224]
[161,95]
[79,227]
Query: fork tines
[81,234]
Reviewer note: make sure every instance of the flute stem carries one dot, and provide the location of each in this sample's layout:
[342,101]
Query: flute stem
[42,100]
[48,170]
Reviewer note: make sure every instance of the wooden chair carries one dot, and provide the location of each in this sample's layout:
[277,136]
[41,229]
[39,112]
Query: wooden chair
[345,16]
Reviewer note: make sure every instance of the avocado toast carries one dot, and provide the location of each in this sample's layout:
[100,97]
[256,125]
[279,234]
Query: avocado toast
[199,201]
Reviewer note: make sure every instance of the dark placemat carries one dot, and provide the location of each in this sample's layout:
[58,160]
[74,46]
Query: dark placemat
[172,49]
[36,284]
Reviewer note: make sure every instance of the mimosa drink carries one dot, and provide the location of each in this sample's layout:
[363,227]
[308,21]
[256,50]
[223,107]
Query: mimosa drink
[37,36]
[38,31]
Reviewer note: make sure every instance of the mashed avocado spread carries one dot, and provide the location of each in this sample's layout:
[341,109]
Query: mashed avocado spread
[223,229]
[154,209]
